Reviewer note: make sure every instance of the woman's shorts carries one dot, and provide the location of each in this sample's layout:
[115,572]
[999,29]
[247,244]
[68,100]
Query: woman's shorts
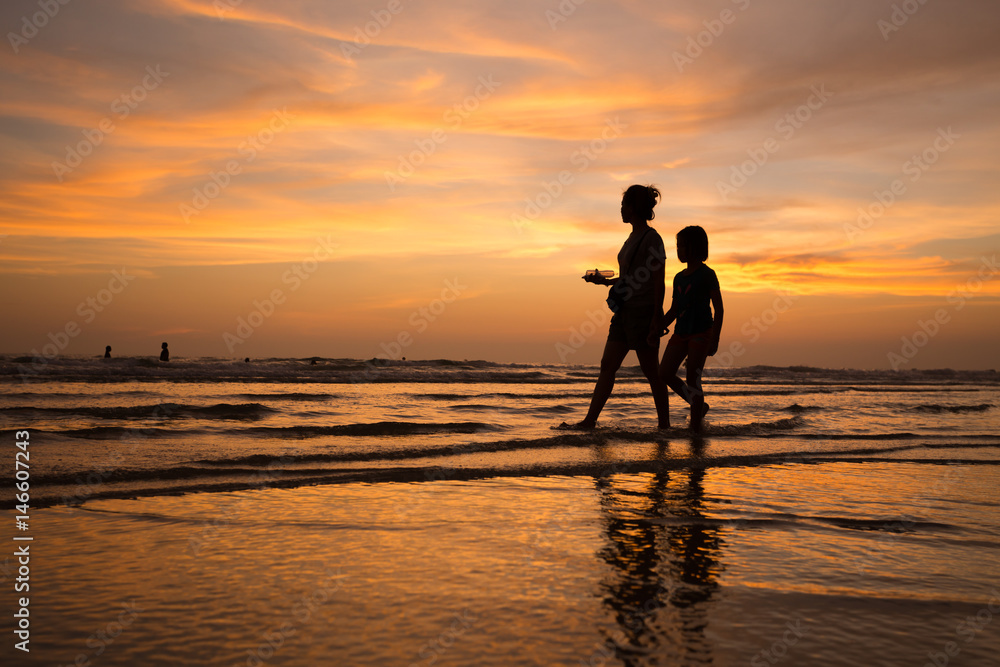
[631,326]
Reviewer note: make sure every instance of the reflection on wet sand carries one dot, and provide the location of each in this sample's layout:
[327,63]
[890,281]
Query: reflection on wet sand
[664,566]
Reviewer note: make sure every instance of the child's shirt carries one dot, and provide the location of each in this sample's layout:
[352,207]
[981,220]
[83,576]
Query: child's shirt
[692,300]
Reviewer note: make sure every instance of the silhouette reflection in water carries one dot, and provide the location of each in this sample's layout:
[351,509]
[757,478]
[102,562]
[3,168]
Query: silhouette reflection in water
[664,565]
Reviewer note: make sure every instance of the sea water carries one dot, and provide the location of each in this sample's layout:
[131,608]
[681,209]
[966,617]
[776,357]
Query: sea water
[345,512]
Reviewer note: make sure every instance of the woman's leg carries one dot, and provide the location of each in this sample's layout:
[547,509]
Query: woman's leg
[614,354]
[661,397]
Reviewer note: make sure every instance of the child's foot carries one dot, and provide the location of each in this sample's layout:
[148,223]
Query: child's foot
[698,410]
[579,426]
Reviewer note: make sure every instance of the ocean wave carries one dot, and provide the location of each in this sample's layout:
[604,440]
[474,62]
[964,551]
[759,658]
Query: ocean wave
[712,390]
[116,432]
[897,436]
[154,411]
[754,428]
[570,439]
[799,409]
[935,408]
[595,437]
[265,472]
[793,521]
[386,428]
[557,409]
[317,369]
[291,396]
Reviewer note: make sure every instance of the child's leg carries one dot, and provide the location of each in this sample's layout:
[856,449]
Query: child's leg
[697,354]
[672,358]
[614,354]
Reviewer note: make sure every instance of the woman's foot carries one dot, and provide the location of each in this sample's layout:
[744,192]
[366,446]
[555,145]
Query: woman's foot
[579,426]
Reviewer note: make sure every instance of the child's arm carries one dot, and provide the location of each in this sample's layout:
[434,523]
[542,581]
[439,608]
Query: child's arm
[670,315]
[716,296]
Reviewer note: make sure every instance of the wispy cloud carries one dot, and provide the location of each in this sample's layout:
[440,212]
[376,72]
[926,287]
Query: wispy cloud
[405,93]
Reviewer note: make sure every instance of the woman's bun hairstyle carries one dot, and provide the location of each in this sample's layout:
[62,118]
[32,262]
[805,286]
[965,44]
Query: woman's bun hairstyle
[642,199]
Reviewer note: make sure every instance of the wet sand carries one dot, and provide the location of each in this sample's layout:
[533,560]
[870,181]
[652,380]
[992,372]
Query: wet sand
[779,564]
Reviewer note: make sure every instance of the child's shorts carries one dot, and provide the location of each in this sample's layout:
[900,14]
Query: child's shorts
[693,344]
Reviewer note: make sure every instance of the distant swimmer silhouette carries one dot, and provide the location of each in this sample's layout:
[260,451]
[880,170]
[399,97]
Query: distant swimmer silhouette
[107,352]
[636,298]
[696,335]
[165,353]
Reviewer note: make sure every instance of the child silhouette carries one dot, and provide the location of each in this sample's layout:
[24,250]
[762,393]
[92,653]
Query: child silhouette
[696,335]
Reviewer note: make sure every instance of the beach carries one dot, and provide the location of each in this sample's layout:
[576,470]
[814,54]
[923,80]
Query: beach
[427,514]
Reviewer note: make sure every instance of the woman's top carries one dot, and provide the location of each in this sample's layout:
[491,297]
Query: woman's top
[648,258]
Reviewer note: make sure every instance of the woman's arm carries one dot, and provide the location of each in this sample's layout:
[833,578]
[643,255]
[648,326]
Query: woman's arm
[670,315]
[600,280]
[656,325]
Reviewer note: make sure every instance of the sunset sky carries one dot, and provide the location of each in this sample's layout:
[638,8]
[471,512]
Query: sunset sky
[431,179]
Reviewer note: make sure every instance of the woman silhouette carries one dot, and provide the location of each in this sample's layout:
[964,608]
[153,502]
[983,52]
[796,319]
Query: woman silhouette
[638,320]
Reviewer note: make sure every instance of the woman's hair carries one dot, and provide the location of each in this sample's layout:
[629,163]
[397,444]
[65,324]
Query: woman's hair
[696,241]
[642,199]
